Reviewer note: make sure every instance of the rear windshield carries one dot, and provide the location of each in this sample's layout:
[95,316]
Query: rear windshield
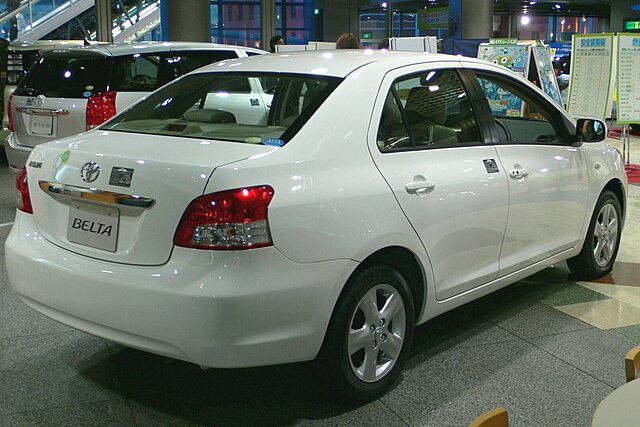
[250,108]
[66,77]
[83,76]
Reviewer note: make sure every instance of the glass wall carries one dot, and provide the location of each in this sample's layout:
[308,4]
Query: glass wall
[549,28]
[295,20]
[404,23]
[238,22]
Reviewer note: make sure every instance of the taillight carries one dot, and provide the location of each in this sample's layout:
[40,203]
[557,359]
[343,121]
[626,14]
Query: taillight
[100,108]
[233,219]
[22,193]
[10,112]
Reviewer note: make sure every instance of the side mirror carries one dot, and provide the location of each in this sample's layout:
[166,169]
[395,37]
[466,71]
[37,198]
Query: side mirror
[591,130]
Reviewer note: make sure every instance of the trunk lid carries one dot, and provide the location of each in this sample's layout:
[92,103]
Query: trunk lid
[128,212]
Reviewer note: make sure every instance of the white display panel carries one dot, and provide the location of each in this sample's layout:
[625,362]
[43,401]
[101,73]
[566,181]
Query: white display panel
[280,48]
[629,78]
[414,44]
[321,45]
[592,76]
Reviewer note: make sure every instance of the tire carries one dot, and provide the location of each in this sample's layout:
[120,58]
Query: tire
[601,244]
[385,334]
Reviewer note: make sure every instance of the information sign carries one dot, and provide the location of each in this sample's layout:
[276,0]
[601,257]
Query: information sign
[546,74]
[514,57]
[628,78]
[592,76]
[433,17]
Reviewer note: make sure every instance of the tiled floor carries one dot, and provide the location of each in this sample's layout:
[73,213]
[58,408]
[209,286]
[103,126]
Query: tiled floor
[548,348]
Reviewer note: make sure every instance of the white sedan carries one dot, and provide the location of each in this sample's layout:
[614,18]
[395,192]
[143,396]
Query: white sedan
[382,190]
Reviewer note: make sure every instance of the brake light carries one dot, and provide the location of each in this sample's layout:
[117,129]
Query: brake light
[233,219]
[10,112]
[22,193]
[100,108]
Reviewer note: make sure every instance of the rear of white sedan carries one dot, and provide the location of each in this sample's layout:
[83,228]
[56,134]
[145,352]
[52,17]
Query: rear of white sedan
[327,229]
[186,231]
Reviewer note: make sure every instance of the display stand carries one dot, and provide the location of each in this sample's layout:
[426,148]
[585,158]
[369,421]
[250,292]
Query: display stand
[626,144]
[546,74]
[628,71]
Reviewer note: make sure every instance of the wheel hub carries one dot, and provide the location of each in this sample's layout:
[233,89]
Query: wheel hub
[379,334]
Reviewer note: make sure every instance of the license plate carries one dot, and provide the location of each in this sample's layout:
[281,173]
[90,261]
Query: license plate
[93,226]
[42,125]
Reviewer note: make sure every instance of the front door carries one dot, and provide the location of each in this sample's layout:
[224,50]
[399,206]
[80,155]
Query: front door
[548,180]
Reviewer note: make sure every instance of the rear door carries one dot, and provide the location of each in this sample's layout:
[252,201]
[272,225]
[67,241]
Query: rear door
[51,100]
[427,142]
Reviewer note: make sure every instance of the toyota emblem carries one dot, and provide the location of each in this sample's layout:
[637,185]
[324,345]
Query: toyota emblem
[39,100]
[90,171]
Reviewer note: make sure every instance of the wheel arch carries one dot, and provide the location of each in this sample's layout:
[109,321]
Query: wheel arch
[617,188]
[407,264]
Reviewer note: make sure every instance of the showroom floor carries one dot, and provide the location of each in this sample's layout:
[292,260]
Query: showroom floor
[547,348]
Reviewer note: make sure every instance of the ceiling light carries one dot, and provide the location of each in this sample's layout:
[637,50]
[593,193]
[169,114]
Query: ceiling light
[524,20]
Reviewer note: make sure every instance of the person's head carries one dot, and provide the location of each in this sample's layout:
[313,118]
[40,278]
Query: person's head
[384,44]
[348,41]
[556,67]
[275,40]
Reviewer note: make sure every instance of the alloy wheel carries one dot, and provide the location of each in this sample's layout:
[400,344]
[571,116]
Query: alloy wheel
[605,235]
[376,333]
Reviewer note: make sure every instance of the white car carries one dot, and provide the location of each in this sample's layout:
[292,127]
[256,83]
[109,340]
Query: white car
[73,89]
[20,57]
[380,193]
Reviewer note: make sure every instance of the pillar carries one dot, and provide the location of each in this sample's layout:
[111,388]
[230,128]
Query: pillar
[268,22]
[340,16]
[621,9]
[476,19]
[104,21]
[186,20]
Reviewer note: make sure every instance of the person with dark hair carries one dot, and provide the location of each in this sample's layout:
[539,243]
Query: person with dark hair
[348,41]
[384,44]
[562,84]
[275,40]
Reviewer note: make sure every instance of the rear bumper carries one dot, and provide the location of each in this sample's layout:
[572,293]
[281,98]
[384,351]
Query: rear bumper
[17,154]
[220,309]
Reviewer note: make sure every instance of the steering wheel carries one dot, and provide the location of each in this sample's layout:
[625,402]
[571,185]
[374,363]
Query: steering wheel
[504,128]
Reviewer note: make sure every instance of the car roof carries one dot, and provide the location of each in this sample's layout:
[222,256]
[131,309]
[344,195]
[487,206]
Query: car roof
[49,44]
[119,49]
[335,63]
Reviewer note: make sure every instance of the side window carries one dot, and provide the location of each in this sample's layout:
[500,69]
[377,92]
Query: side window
[392,132]
[139,73]
[520,116]
[192,60]
[428,109]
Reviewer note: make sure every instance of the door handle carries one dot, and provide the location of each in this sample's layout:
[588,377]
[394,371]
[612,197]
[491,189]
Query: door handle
[419,187]
[518,173]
